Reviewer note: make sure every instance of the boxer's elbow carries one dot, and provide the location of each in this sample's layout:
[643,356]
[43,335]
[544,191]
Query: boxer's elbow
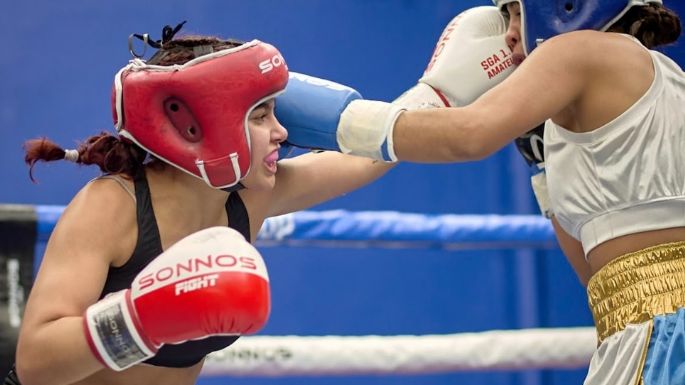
[469,144]
[32,364]
[29,373]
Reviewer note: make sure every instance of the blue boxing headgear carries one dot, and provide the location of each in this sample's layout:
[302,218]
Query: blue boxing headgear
[543,19]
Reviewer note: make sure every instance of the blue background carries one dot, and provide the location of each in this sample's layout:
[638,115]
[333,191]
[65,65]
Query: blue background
[56,72]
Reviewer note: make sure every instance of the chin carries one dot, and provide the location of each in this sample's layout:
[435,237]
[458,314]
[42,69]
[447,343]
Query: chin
[260,183]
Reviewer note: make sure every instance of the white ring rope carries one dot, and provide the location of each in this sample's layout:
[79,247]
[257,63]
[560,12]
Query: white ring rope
[427,354]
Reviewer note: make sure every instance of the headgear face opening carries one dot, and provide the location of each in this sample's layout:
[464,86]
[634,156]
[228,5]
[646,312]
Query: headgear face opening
[543,19]
[195,116]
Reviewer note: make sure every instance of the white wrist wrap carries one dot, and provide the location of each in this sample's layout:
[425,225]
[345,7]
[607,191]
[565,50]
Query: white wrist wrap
[539,183]
[366,129]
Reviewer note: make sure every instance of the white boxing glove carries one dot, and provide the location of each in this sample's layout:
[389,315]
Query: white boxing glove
[470,57]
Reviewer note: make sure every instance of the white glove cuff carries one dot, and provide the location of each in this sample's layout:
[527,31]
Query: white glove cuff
[366,129]
[421,96]
[112,334]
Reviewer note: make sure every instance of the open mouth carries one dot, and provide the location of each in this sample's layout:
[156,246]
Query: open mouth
[271,162]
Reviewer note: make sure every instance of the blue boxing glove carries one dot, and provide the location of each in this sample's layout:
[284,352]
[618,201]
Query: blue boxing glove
[310,109]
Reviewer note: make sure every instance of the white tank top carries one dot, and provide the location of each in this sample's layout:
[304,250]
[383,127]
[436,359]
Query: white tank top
[627,176]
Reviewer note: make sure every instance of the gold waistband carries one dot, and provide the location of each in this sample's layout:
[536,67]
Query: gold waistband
[635,287]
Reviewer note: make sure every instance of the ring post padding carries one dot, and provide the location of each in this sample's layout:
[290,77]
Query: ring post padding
[18,235]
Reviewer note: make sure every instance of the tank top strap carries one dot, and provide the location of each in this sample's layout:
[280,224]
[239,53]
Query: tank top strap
[121,182]
[238,218]
[149,241]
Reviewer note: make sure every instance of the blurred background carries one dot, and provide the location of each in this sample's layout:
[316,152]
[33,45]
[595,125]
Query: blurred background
[56,76]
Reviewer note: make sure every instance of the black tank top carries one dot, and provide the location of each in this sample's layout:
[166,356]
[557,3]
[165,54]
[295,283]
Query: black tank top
[148,247]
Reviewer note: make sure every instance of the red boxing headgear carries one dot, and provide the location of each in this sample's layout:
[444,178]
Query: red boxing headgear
[194,116]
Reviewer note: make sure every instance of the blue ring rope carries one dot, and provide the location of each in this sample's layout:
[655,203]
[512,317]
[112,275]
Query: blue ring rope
[340,228]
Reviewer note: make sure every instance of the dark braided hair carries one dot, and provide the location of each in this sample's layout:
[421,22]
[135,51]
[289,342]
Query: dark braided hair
[653,24]
[107,151]
[189,47]
[110,152]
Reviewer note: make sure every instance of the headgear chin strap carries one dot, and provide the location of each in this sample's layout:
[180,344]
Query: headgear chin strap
[543,19]
[195,116]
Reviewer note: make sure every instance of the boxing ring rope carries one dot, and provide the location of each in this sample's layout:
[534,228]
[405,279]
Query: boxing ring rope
[426,354]
[279,356]
[387,229]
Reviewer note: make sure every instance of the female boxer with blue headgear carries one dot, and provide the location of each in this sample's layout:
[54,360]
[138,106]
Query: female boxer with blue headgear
[614,145]
[148,270]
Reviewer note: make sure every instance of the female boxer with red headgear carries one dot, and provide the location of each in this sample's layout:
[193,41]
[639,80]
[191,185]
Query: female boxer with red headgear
[194,165]
[614,140]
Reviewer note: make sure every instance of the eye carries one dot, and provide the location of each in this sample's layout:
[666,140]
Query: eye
[259,116]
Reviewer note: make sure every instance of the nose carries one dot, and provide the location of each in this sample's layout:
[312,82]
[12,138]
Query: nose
[278,132]
[512,37]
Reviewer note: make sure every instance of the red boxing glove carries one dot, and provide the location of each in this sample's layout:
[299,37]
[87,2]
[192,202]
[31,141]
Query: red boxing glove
[212,282]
